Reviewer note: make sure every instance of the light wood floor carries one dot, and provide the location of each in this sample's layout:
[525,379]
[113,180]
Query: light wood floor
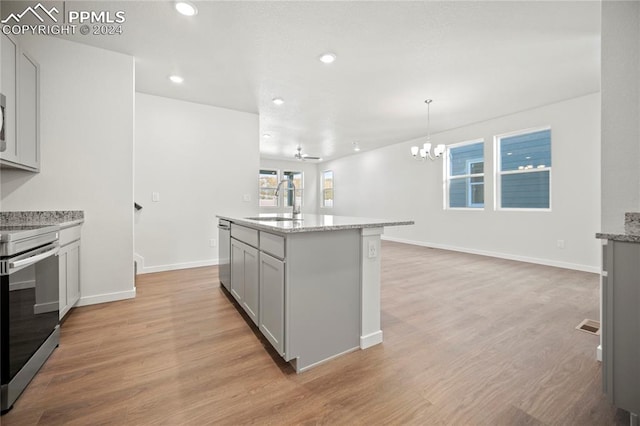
[468,340]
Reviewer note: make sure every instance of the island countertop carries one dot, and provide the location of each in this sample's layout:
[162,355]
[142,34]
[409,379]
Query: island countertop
[629,234]
[286,223]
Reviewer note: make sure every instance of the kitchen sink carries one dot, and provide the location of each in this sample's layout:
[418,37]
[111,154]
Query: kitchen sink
[274,219]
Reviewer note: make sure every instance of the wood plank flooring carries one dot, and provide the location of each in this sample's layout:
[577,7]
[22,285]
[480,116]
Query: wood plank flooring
[468,340]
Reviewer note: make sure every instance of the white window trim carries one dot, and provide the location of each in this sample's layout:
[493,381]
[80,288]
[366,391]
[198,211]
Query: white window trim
[333,188]
[497,164]
[447,178]
[277,206]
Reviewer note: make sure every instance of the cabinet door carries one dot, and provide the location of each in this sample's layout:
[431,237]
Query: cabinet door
[9,89]
[272,300]
[251,299]
[237,270]
[73,273]
[62,282]
[28,132]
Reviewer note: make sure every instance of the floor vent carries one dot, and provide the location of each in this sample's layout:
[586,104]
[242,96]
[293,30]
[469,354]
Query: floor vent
[589,326]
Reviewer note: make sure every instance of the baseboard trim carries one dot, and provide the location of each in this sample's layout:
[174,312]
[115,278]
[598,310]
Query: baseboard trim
[176,266]
[535,260]
[371,339]
[294,362]
[108,297]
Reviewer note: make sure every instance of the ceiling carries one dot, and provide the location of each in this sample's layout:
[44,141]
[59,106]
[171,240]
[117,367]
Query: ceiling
[477,60]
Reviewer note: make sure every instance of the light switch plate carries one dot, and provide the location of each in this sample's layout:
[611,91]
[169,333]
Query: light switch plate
[155,196]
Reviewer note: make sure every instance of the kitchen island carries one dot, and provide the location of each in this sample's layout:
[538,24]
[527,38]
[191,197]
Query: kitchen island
[619,299]
[310,283]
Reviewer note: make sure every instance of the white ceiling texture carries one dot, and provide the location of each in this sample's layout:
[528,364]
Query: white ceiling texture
[477,60]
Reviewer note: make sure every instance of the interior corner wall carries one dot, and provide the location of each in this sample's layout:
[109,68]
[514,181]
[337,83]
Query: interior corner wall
[201,161]
[620,112]
[86,127]
[388,183]
[310,194]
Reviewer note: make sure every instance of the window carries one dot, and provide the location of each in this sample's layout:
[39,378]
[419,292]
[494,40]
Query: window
[327,188]
[524,170]
[267,182]
[465,175]
[296,177]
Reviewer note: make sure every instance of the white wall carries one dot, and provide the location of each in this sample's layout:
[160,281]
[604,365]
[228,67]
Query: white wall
[620,112]
[389,183]
[87,158]
[202,161]
[310,194]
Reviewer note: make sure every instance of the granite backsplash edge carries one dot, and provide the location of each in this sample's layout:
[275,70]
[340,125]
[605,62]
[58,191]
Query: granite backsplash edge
[40,217]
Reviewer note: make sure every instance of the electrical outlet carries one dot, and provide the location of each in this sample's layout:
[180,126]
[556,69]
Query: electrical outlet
[560,244]
[247,198]
[373,250]
[213,242]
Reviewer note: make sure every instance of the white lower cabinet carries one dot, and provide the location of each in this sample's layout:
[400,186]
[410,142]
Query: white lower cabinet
[69,268]
[245,286]
[272,300]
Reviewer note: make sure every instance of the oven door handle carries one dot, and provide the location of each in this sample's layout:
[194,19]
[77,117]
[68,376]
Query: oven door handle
[33,259]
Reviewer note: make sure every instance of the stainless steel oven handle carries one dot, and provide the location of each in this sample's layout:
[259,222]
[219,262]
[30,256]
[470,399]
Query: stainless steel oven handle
[33,259]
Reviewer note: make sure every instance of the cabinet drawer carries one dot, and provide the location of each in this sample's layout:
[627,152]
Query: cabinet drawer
[69,235]
[272,244]
[244,234]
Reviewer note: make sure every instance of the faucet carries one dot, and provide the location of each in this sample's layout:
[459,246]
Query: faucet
[296,206]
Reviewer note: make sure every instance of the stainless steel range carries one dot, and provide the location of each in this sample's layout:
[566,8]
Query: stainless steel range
[29,305]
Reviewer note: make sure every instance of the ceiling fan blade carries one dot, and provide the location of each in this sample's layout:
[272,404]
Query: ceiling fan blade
[309,157]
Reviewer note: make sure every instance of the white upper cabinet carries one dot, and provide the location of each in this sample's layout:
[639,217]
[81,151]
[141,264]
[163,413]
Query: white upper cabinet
[9,89]
[21,86]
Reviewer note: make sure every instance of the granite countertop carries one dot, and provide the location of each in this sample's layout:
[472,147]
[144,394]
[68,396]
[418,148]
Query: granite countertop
[62,218]
[311,222]
[631,232]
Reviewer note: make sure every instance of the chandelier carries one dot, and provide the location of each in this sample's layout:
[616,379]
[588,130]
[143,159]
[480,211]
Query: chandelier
[425,152]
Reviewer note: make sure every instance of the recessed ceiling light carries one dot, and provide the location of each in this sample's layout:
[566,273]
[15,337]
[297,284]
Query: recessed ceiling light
[266,135]
[176,79]
[185,8]
[328,58]
[277,101]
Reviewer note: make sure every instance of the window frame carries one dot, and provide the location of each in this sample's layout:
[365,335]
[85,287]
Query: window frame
[447,177]
[498,173]
[260,188]
[322,189]
[300,190]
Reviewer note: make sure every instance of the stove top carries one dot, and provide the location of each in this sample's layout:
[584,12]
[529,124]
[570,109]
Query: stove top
[18,238]
[18,232]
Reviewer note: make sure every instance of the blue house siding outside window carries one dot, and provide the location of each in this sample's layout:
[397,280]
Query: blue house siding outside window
[466,175]
[525,170]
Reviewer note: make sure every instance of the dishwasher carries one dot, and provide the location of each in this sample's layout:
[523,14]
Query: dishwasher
[224,253]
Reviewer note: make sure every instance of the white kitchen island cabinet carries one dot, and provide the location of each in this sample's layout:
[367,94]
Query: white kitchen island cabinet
[318,282]
[271,322]
[244,277]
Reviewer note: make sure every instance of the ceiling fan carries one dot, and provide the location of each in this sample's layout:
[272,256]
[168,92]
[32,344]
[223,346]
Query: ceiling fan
[302,157]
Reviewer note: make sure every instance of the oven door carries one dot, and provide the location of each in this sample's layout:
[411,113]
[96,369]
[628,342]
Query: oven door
[29,305]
